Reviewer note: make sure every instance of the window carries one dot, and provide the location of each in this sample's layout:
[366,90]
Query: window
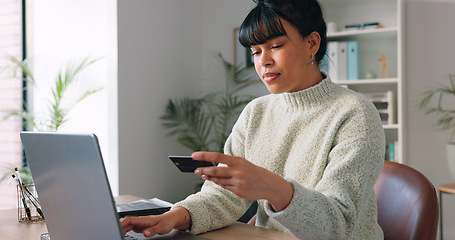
[11,44]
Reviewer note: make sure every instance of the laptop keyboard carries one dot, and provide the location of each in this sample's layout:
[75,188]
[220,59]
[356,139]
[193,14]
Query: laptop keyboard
[45,236]
[128,237]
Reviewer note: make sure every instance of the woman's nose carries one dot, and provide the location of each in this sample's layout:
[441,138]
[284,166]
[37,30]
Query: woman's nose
[265,60]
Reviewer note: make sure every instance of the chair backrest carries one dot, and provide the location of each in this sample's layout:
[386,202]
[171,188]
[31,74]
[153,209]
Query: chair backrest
[408,206]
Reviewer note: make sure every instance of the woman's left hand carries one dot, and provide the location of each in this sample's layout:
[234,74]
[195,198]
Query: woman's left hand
[245,179]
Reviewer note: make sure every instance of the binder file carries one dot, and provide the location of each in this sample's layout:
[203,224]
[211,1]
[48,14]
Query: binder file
[337,68]
[353,60]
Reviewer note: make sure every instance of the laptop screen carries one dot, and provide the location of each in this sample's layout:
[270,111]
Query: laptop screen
[72,185]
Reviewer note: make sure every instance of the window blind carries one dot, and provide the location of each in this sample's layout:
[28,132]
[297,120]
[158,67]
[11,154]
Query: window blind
[10,94]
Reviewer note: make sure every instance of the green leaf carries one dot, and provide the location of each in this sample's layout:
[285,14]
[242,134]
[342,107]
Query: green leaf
[187,121]
[444,105]
[23,66]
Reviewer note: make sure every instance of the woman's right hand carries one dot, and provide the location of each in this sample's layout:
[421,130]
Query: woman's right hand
[178,218]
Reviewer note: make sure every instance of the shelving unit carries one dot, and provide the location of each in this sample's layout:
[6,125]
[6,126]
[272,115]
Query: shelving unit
[387,40]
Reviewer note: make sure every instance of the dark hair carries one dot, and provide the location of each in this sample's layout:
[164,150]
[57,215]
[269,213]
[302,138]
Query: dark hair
[263,22]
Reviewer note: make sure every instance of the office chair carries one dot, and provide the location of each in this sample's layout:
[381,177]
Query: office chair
[408,206]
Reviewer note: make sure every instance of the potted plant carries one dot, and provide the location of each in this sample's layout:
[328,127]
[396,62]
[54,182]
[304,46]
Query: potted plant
[444,109]
[58,105]
[203,124]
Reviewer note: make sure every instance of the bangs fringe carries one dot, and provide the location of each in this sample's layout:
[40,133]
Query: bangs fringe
[261,25]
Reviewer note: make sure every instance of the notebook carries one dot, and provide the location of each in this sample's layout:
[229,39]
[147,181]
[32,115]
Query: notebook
[73,189]
[143,207]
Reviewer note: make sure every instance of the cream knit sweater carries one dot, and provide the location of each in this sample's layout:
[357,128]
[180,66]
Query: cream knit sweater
[328,142]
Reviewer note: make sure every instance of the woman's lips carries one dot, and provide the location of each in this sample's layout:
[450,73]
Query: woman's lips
[268,77]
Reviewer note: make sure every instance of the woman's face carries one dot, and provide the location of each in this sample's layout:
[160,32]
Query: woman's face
[284,63]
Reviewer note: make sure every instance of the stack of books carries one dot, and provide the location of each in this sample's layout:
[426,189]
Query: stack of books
[342,61]
[362,26]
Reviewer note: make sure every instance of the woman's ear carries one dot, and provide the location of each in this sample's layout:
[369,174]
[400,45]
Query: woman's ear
[314,39]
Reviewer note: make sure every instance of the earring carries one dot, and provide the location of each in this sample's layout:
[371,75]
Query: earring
[312,58]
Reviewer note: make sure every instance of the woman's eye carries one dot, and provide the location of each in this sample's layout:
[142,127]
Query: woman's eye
[254,53]
[277,46]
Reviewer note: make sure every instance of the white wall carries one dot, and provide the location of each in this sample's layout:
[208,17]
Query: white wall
[159,57]
[430,56]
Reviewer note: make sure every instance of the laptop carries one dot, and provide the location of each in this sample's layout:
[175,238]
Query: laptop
[73,188]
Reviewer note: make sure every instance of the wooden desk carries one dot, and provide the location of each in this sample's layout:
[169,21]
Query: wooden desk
[11,229]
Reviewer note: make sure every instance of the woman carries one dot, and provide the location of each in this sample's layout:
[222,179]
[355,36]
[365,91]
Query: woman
[310,152]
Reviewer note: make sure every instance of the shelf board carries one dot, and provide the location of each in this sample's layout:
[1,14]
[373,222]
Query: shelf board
[364,34]
[390,126]
[368,81]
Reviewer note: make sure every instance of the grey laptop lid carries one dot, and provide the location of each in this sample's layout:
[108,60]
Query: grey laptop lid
[73,188]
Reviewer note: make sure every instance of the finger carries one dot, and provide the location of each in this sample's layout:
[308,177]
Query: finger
[149,232]
[228,186]
[137,224]
[223,182]
[215,157]
[126,227]
[133,221]
[223,172]
[156,229]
